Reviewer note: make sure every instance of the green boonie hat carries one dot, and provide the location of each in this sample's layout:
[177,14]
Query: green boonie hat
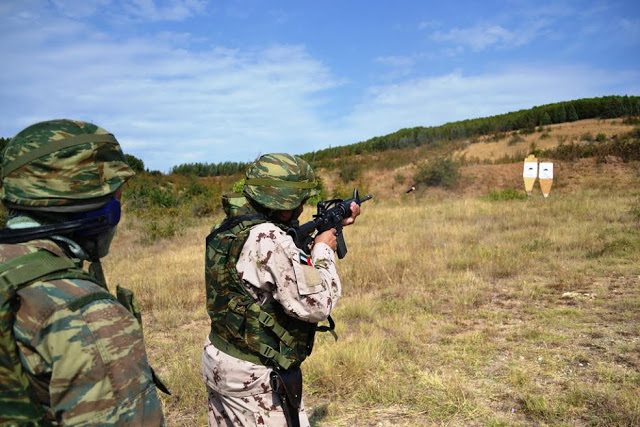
[62,163]
[280,181]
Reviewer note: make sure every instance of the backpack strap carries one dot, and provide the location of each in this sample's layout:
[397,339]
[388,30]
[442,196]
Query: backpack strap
[24,270]
[18,406]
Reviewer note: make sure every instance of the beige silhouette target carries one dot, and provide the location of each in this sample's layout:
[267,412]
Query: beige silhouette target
[530,173]
[546,177]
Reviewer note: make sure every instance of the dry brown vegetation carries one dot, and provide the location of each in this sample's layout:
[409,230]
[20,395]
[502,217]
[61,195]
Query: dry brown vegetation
[512,144]
[457,309]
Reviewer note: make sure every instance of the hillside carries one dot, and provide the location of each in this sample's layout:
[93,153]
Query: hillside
[490,165]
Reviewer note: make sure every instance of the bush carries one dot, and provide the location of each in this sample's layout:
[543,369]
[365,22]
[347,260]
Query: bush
[161,228]
[349,171]
[506,194]
[515,138]
[205,206]
[442,172]
[497,137]
[587,137]
[238,186]
[134,163]
[601,137]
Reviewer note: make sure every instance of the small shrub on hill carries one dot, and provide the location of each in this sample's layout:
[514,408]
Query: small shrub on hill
[348,171]
[497,137]
[586,137]
[440,172]
[515,138]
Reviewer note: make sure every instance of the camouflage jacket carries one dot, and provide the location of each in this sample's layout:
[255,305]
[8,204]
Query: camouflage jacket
[272,270]
[86,366]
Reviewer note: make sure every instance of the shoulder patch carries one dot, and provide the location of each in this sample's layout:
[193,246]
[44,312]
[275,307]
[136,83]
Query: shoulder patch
[305,259]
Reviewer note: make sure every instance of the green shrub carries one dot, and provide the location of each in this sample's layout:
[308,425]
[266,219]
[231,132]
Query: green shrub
[497,137]
[586,137]
[205,206]
[515,138]
[163,228]
[601,137]
[506,194]
[441,172]
[134,163]
[322,192]
[349,171]
[238,186]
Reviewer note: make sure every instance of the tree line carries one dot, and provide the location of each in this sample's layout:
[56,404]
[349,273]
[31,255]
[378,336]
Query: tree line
[210,169]
[527,120]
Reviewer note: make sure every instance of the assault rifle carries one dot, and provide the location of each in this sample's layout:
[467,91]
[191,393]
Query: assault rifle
[330,215]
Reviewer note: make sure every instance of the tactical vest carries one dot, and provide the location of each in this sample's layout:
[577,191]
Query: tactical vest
[18,405]
[259,333]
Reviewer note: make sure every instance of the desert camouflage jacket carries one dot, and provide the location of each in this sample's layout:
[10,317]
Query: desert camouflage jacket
[273,268]
[86,366]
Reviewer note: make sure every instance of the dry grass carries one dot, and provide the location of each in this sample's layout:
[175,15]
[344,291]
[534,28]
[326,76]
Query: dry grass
[486,149]
[456,311]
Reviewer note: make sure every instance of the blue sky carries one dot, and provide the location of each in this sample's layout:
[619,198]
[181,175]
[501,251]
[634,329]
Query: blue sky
[182,81]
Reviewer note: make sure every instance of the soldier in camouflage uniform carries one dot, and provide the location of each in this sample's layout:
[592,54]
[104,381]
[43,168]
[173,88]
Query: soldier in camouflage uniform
[265,297]
[70,354]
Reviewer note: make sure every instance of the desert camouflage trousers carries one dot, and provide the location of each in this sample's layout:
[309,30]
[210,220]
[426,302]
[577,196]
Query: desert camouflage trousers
[255,410]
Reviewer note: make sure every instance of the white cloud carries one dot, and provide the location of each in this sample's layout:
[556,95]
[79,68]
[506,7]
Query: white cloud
[483,36]
[396,61]
[80,8]
[166,104]
[451,97]
[478,37]
[164,10]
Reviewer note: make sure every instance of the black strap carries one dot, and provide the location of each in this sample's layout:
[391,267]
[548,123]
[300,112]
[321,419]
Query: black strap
[287,384]
[96,224]
[331,328]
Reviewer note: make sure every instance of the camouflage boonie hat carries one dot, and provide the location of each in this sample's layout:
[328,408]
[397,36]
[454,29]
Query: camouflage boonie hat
[61,163]
[280,181]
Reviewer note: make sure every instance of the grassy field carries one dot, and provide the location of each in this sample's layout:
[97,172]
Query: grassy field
[458,309]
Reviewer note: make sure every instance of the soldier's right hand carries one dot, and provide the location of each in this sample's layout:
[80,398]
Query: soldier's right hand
[329,238]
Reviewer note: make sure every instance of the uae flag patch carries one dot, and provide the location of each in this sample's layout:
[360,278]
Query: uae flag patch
[304,259]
